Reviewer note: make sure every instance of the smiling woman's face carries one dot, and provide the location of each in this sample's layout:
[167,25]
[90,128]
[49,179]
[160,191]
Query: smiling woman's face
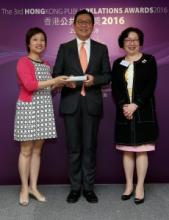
[132,43]
[37,43]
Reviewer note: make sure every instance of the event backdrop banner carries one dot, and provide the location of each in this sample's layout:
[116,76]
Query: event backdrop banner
[56,18]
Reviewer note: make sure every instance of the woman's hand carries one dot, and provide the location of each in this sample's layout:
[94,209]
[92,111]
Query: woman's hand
[129,109]
[60,81]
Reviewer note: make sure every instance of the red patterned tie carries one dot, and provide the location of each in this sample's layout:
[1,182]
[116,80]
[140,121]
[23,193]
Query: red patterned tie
[83,62]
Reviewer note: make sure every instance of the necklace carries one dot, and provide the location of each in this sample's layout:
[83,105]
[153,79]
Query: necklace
[35,59]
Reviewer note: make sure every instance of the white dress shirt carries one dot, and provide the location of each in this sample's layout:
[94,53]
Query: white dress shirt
[86,46]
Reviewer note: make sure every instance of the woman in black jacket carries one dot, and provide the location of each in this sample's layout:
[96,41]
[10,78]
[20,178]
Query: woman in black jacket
[134,79]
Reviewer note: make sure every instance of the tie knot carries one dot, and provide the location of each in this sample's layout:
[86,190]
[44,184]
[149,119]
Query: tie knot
[83,43]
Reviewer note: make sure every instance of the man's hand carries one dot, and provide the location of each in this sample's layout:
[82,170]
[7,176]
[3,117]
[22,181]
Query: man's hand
[71,85]
[90,80]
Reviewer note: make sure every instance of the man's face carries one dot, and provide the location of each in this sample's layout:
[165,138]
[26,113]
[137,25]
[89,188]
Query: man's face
[83,26]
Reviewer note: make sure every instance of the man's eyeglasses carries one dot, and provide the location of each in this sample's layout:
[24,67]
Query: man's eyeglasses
[82,22]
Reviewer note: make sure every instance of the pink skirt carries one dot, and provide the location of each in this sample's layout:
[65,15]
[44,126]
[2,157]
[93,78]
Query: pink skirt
[137,148]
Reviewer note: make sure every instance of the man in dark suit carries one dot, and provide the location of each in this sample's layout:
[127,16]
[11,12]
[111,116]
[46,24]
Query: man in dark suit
[81,103]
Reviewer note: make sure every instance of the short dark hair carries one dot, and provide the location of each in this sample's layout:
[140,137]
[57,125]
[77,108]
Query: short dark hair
[31,32]
[84,11]
[124,34]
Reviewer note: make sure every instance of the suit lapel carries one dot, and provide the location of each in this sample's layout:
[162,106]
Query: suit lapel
[75,56]
[92,56]
[76,60]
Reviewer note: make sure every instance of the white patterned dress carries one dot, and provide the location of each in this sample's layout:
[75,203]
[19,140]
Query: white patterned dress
[35,120]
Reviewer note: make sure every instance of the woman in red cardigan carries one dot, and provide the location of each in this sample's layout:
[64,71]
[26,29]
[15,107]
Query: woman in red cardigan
[34,119]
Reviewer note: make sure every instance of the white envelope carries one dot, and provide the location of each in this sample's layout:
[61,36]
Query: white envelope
[77,78]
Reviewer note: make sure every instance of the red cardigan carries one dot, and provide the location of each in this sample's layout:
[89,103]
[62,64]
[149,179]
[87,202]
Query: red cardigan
[26,79]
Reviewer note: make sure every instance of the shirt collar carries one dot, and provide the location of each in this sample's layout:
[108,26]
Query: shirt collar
[79,41]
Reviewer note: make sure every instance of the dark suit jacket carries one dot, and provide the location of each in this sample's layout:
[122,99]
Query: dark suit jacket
[68,63]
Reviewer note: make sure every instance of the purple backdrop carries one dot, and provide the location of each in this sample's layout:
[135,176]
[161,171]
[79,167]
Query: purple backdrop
[56,19]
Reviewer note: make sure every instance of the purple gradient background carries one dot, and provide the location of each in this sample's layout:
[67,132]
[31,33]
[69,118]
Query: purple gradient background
[54,157]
